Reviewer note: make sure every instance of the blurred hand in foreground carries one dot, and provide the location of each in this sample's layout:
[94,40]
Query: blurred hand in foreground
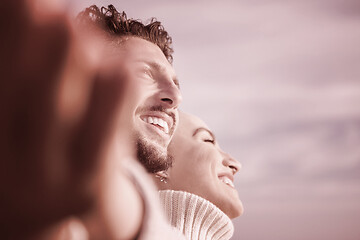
[60,112]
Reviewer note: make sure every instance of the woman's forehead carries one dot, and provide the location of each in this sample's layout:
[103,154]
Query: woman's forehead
[190,122]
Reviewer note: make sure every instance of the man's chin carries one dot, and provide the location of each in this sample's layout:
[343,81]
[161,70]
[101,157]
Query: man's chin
[154,158]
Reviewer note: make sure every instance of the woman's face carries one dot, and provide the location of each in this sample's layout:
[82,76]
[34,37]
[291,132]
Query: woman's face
[201,167]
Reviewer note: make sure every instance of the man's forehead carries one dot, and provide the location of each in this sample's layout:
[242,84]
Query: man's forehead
[137,44]
[138,49]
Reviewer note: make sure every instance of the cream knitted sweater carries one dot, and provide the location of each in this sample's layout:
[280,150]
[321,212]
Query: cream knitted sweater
[195,216]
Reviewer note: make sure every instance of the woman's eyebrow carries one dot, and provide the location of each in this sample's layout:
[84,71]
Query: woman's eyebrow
[203,129]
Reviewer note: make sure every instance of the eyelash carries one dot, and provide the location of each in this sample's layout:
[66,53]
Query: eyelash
[209,140]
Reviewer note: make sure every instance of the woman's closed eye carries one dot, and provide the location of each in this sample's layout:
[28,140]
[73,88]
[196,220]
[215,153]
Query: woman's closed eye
[209,141]
[204,135]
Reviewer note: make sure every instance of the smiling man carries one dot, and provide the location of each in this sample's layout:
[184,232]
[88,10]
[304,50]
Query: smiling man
[146,52]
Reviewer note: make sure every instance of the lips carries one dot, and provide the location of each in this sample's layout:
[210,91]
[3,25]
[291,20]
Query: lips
[228,180]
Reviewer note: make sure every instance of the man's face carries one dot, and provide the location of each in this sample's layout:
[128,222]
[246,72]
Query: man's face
[155,114]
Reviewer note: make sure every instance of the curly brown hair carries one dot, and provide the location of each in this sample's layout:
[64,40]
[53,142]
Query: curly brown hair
[117,24]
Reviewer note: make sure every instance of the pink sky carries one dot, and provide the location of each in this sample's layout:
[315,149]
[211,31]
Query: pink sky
[279,84]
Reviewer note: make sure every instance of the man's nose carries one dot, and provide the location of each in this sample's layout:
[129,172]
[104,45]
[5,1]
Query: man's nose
[170,95]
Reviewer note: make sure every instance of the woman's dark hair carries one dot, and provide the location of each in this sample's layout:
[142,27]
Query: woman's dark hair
[117,24]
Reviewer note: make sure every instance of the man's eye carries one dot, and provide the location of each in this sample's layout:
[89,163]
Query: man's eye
[209,140]
[144,72]
[147,73]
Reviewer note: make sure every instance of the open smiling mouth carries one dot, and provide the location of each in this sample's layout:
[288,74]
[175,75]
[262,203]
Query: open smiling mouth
[157,122]
[227,181]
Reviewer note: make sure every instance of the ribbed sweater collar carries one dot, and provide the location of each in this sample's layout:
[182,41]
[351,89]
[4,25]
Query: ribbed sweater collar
[195,216]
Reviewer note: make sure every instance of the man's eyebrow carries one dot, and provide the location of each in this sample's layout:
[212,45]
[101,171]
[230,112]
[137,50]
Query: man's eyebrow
[204,129]
[159,68]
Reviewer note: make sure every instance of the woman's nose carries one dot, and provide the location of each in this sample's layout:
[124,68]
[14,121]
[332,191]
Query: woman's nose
[230,162]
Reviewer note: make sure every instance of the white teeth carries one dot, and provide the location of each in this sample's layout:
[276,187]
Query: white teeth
[158,121]
[150,120]
[227,181]
[161,122]
[164,125]
[166,128]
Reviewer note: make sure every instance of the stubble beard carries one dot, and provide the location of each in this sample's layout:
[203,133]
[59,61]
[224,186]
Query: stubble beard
[153,159]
